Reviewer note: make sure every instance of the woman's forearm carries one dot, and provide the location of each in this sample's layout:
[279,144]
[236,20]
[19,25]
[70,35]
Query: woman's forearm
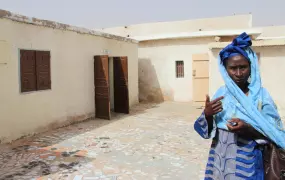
[210,120]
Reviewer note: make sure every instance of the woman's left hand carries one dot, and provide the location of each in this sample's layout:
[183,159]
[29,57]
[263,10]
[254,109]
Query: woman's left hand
[244,129]
[239,127]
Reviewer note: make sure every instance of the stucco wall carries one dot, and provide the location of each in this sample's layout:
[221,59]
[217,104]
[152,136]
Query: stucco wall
[72,75]
[207,24]
[272,69]
[157,78]
[273,31]
[215,79]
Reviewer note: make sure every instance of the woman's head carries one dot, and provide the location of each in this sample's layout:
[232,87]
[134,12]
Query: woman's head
[238,62]
[236,59]
[238,68]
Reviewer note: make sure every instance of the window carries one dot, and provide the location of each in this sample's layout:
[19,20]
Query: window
[179,69]
[35,70]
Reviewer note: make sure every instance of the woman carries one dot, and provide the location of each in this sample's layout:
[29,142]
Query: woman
[241,118]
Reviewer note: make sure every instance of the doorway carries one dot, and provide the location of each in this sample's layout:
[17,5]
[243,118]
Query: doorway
[121,87]
[111,86]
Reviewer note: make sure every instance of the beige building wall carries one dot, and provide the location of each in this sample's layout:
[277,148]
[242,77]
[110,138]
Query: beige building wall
[157,75]
[215,79]
[272,69]
[273,31]
[207,24]
[72,73]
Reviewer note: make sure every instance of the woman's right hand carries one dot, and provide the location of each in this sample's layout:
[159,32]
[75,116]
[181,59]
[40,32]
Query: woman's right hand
[213,107]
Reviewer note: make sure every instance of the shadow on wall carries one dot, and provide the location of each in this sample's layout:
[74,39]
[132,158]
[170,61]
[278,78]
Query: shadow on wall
[149,87]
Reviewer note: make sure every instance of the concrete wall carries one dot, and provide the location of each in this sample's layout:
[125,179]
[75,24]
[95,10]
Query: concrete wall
[207,24]
[157,78]
[72,73]
[215,79]
[272,68]
[273,31]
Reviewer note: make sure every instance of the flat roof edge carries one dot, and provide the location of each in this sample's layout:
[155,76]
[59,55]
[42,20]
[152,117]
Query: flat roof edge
[55,25]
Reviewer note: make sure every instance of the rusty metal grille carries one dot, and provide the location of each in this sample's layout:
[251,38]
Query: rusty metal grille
[179,69]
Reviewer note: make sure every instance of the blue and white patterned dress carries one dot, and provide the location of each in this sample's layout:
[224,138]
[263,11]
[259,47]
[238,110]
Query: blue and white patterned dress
[231,157]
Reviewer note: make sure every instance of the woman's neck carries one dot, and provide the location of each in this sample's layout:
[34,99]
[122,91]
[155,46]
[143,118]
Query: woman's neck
[244,88]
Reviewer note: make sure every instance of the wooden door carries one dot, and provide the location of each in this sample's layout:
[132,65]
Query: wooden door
[101,78]
[200,78]
[121,90]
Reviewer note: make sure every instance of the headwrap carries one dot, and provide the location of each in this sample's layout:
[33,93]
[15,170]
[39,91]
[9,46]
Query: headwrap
[236,47]
[236,104]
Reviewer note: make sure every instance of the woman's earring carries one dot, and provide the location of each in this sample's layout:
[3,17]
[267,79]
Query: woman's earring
[249,79]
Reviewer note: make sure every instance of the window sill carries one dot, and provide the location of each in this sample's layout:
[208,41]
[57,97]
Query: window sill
[31,92]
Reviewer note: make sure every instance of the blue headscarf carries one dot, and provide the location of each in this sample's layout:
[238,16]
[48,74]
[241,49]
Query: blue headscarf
[237,47]
[256,109]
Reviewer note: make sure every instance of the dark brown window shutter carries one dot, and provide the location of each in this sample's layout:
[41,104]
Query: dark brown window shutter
[43,70]
[28,70]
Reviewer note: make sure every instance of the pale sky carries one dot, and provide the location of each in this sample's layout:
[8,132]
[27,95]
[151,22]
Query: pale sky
[110,13]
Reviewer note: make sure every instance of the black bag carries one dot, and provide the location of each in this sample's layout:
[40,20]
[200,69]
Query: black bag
[274,162]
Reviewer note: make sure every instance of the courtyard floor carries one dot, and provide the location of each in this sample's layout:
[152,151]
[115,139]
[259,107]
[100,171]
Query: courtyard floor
[153,142]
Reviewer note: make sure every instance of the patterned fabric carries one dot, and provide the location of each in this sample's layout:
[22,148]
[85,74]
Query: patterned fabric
[237,104]
[231,157]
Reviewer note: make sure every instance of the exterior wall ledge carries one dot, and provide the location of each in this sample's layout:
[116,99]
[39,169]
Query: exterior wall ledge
[199,34]
[257,43]
[55,25]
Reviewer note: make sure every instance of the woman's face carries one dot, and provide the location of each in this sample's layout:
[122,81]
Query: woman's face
[238,68]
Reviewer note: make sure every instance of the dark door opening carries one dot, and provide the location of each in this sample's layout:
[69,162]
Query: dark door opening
[121,90]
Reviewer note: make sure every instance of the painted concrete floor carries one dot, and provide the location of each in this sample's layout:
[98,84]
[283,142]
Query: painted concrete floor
[154,142]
